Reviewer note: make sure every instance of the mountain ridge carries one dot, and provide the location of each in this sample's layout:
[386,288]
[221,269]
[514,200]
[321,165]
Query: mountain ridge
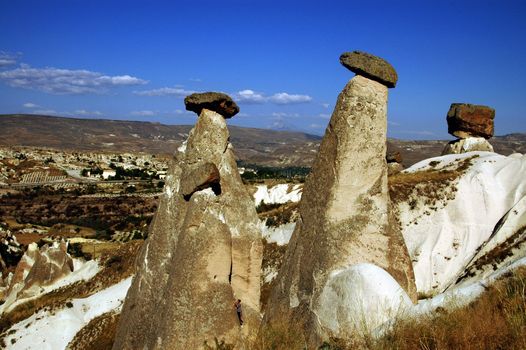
[253,145]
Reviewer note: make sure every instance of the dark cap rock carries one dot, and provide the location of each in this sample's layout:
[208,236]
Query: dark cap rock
[214,101]
[370,66]
[467,120]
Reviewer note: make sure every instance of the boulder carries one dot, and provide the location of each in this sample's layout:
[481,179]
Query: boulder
[214,101]
[370,66]
[394,157]
[394,168]
[469,144]
[345,220]
[203,251]
[466,120]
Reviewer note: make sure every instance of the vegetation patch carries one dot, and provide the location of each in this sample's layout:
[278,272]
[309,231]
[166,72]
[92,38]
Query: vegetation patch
[496,320]
[273,255]
[257,173]
[433,185]
[278,214]
[498,254]
[280,334]
[98,334]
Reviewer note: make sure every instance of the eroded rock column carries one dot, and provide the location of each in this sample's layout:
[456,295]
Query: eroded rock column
[344,213]
[204,249]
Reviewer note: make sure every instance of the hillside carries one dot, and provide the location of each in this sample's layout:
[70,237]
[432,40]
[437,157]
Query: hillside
[261,146]
[275,148]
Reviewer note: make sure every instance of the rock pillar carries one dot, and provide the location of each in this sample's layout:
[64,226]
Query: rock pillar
[344,211]
[204,249]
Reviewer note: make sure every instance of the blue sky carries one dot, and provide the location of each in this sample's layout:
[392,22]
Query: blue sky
[137,60]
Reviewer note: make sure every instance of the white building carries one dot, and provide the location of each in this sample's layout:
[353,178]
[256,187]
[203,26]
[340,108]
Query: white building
[106,173]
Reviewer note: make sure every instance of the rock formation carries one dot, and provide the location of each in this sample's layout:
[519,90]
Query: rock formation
[214,101]
[38,268]
[469,144]
[473,125]
[463,227]
[394,163]
[204,248]
[370,66]
[345,219]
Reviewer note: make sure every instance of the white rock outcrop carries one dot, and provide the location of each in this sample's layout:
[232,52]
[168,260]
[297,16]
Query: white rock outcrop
[277,194]
[469,144]
[444,234]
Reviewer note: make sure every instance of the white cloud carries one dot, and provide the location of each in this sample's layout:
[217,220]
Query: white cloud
[7,59]
[285,115]
[250,96]
[85,112]
[417,132]
[165,91]
[64,81]
[143,113]
[325,105]
[30,105]
[324,115]
[283,98]
[181,112]
[196,80]
[393,123]
[316,126]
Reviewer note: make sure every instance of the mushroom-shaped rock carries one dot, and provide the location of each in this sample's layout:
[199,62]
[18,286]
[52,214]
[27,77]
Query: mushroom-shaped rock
[370,66]
[214,101]
[466,120]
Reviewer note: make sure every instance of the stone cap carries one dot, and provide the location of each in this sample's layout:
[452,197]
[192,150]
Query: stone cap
[467,120]
[370,66]
[214,101]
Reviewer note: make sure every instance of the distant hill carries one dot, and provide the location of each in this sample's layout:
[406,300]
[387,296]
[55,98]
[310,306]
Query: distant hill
[261,146]
[276,148]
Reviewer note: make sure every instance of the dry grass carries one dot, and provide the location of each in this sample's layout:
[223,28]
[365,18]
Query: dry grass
[280,334]
[98,334]
[496,320]
[432,185]
[278,214]
[117,266]
[273,255]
